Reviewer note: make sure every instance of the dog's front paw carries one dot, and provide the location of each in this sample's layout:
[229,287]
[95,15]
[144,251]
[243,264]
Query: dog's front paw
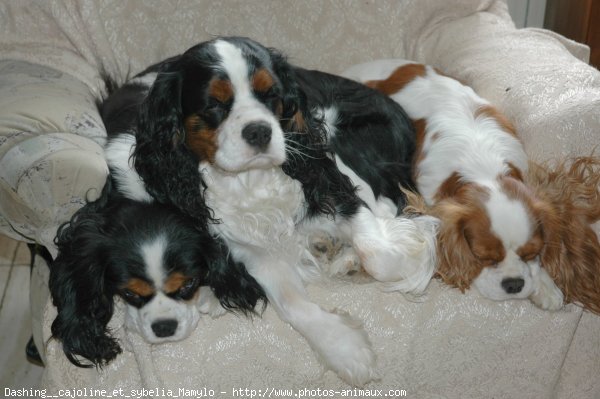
[335,257]
[345,348]
[359,368]
[209,304]
[346,263]
[547,295]
[323,245]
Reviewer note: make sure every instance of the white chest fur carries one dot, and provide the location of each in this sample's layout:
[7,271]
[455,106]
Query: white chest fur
[259,208]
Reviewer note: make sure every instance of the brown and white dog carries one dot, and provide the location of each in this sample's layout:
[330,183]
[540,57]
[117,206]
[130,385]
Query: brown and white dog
[511,232]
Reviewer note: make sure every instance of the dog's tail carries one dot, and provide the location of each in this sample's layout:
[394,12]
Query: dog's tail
[111,85]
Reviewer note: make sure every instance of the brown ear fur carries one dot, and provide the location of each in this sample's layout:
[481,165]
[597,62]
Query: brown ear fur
[457,266]
[569,194]
[415,203]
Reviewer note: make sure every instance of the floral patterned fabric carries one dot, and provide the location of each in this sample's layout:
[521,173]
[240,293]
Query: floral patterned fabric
[51,156]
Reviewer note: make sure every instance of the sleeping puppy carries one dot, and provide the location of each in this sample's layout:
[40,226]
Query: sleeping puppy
[151,256]
[225,133]
[511,230]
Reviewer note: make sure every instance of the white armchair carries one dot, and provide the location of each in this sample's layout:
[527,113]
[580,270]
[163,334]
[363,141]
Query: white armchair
[449,345]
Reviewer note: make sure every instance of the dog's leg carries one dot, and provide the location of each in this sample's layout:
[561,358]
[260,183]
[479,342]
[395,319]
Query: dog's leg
[338,339]
[209,304]
[546,294]
[331,248]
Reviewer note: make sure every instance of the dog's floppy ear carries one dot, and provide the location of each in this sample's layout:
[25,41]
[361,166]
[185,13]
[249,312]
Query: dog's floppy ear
[293,100]
[231,283]
[457,265]
[324,186]
[80,293]
[568,202]
[167,167]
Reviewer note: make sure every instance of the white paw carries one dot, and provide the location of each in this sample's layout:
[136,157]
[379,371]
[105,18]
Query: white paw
[209,304]
[345,348]
[323,245]
[346,263]
[547,295]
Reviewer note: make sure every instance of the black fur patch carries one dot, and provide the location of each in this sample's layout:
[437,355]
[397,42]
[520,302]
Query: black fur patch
[99,252]
[374,137]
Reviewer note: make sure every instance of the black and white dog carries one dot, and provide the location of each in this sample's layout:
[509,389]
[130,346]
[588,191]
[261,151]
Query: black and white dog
[232,134]
[156,259]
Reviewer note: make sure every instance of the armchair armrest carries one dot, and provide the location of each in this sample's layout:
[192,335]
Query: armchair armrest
[51,157]
[51,161]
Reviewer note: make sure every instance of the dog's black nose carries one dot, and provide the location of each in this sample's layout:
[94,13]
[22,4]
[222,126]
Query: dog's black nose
[513,285]
[257,134]
[164,328]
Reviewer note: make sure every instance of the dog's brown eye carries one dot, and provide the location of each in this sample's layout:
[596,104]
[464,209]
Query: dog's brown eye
[529,257]
[187,290]
[271,94]
[489,263]
[133,298]
[270,97]
[214,103]
[532,248]
[128,294]
[215,111]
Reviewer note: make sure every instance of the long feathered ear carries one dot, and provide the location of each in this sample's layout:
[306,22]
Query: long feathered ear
[231,283]
[167,167]
[295,116]
[326,189]
[457,266]
[569,202]
[291,95]
[80,294]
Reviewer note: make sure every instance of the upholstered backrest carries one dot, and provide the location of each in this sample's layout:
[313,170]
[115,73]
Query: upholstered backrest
[127,35]
[329,35]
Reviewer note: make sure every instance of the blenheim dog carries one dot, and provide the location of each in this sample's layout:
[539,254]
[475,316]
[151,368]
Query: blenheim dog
[509,231]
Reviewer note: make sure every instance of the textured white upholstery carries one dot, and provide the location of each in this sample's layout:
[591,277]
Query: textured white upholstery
[449,345]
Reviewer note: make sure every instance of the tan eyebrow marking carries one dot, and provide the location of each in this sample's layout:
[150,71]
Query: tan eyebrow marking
[531,248]
[262,81]
[174,282]
[140,287]
[220,89]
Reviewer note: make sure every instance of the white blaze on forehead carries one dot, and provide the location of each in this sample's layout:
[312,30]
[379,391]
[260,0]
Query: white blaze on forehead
[510,220]
[234,153]
[234,64]
[153,255]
